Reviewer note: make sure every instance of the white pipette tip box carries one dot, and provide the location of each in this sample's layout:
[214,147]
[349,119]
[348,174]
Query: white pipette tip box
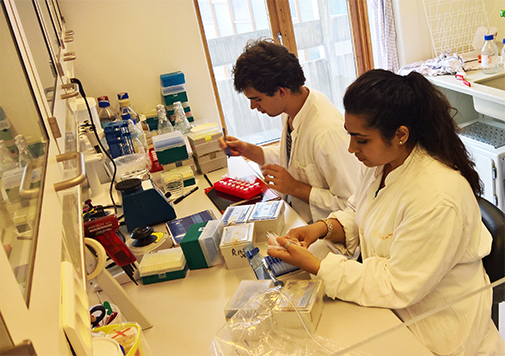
[246,290]
[163,265]
[233,241]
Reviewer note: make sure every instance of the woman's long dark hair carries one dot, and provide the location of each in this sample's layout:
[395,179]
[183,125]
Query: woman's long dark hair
[388,101]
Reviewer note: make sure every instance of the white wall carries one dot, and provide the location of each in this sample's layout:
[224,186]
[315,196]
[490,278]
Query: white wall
[414,40]
[126,45]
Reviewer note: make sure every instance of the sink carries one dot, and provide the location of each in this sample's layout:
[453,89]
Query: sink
[497,82]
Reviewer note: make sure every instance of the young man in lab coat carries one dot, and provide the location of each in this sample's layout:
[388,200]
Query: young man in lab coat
[311,164]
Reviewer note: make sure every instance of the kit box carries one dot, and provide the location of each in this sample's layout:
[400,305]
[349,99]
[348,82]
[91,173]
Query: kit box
[204,139]
[233,241]
[209,242]
[188,175]
[163,265]
[170,147]
[189,162]
[267,216]
[307,296]
[235,215]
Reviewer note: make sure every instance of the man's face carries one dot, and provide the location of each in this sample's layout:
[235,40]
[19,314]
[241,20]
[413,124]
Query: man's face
[270,105]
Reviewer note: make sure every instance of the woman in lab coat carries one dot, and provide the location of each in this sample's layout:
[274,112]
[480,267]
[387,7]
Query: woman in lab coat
[414,216]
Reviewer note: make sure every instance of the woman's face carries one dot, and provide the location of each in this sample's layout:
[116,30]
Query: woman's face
[368,145]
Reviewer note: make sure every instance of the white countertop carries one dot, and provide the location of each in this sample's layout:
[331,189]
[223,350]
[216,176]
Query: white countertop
[187,313]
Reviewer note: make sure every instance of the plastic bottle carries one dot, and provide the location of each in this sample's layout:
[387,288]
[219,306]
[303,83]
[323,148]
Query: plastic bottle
[489,56]
[125,106]
[105,113]
[181,122]
[25,156]
[138,145]
[164,125]
[503,54]
[6,161]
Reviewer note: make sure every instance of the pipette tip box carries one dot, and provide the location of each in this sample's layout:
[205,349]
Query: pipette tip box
[201,245]
[163,265]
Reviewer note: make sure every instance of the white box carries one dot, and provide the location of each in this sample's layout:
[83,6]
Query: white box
[267,216]
[235,215]
[211,161]
[233,241]
[209,242]
[307,296]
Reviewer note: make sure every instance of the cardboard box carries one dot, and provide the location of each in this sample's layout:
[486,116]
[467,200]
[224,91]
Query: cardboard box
[267,216]
[235,215]
[189,162]
[233,241]
[204,139]
[210,161]
[191,246]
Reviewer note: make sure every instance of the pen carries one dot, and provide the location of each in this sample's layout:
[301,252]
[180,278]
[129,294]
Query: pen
[178,200]
[245,200]
[208,180]
[227,150]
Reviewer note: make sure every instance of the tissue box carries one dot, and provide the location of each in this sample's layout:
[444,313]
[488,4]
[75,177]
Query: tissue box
[170,147]
[267,216]
[307,296]
[246,290]
[204,139]
[233,241]
[234,215]
[163,265]
[210,161]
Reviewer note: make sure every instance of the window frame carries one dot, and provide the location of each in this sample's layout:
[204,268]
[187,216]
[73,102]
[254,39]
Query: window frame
[281,26]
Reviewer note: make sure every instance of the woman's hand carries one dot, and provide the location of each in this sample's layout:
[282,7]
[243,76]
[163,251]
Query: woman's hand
[296,255]
[307,235]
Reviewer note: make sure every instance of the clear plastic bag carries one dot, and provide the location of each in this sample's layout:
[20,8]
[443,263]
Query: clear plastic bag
[254,330]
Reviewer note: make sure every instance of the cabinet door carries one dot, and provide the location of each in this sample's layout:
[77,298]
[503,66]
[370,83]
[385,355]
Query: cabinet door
[40,228]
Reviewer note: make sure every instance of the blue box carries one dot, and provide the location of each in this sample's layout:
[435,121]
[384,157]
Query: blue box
[174,78]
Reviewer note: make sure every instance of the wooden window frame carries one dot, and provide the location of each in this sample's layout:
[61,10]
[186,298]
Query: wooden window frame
[281,26]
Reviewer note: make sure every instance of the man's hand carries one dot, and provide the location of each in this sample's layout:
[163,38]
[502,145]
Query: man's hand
[281,180]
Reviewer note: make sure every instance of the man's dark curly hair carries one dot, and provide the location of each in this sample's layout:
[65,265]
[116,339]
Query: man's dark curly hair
[266,66]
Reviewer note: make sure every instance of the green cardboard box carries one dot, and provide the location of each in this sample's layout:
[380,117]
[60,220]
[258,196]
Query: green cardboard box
[191,246]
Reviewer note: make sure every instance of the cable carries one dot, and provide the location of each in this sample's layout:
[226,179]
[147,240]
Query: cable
[101,257]
[93,128]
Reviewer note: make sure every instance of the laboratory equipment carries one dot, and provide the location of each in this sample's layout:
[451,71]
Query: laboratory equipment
[164,124]
[144,239]
[118,138]
[201,244]
[181,122]
[144,204]
[489,56]
[163,265]
[6,160]
[25,156]
[126,107]
[173,89]
[105,113]
[210,161]
[170,147]
[135,133]
[241,188]
[104,230]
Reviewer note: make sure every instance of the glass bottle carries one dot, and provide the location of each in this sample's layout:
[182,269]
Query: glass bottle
[181,122]
[6,161]
[105,113]
[25,156]
[164,125]
[125,106]
[138,146]
[489,56]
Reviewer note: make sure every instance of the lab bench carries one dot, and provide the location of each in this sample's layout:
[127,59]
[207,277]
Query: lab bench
[187,313]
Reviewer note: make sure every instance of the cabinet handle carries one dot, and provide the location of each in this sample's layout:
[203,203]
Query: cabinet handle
[69,32]
[72,93]
[26,180]
[68,58]
[66,54]
[81,170]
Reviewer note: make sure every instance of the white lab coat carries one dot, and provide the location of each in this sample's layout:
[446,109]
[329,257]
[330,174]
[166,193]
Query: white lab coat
[422,241]
[319,157]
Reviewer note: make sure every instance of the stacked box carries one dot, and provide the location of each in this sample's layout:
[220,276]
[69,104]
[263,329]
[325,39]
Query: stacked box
[163,265]
[204,143]
[189,162]
[233,241]
[170,147]
[172,90]
[235,215]
[267,216]
[201,245]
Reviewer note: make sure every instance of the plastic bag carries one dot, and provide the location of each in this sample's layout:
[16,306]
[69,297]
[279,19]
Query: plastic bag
[254,330]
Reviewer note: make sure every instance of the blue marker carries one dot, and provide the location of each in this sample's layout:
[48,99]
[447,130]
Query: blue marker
[227,149]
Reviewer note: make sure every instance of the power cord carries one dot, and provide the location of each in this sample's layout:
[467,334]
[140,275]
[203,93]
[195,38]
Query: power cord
[93,128]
